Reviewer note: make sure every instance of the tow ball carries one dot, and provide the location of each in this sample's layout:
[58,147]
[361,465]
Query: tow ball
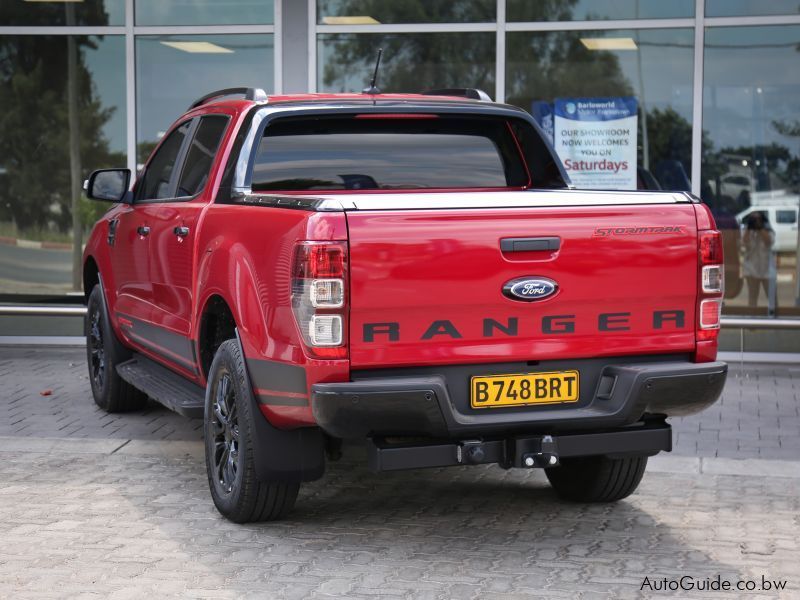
[547,456]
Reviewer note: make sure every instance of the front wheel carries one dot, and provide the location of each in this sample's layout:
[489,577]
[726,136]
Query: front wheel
[597,478]
[228,432]
[103,353]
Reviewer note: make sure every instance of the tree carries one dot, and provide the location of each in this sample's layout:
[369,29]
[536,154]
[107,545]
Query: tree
[34,131]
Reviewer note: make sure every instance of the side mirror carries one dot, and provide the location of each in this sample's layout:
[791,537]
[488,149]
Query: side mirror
[109,185]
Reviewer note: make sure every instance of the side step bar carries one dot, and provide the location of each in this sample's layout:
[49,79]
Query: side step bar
[388,454]
[164,386]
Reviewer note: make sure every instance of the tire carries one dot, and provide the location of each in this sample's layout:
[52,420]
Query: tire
[103,353]
[228,431]
[597,478]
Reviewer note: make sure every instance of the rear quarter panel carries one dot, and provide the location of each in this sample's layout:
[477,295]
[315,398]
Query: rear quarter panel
[245,257]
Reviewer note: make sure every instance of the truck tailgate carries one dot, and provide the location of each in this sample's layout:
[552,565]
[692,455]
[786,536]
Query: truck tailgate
[427,285]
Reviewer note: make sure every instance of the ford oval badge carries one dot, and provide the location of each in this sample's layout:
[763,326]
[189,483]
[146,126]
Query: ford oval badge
[530,289]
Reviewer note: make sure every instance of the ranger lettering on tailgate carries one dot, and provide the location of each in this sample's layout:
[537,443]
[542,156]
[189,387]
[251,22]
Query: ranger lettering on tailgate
[550,325]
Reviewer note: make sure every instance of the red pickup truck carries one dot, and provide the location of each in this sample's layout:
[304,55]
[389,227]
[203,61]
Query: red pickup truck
[412,270]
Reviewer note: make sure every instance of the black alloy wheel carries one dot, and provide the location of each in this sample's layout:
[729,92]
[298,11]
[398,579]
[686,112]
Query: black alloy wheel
[229,430]
[104,353]
[225,429]
[97,352]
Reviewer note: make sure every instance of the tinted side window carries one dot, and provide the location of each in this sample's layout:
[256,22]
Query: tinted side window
[201,154]
[158,174]
[786,216]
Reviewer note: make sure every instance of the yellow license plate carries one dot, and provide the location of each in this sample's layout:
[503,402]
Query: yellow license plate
[524,389]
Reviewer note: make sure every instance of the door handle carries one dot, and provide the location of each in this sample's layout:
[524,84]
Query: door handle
[112,231]
[143,230]
[533,244]
[181,231]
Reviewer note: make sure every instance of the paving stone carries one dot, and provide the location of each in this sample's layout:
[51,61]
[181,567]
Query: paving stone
[369,537]
[759,403]
[97,506]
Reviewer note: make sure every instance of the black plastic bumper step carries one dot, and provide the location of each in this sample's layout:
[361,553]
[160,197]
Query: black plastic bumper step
[163,386]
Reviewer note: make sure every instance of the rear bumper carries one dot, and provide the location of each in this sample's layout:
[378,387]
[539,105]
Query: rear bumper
[433,404]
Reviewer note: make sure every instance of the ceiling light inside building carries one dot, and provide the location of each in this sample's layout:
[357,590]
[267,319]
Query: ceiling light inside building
[354,20]
[198,47]
[609,43]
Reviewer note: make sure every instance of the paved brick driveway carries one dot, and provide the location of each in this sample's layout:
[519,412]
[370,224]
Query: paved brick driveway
[123,526]
[758,416]
[84,512]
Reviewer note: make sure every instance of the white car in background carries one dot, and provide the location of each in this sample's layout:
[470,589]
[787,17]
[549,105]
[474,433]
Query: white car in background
[783,220]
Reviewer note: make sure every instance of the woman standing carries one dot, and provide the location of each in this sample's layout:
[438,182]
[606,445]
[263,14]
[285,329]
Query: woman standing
[757,240]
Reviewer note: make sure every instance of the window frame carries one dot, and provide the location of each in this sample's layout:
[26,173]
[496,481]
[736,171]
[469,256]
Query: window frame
[343,116]
[180,160]
[177,168]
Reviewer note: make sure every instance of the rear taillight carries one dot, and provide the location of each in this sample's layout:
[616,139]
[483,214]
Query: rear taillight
[319,297]
[712,284]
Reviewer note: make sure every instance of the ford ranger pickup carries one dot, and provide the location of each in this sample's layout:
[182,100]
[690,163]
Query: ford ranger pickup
[414,271]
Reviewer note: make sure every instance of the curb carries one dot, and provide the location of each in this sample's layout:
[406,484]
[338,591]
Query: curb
[664,463]
[21,243]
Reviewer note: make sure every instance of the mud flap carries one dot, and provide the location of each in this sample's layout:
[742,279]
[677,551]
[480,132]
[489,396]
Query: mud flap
[283,455]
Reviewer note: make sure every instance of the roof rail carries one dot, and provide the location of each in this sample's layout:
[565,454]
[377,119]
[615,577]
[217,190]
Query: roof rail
[249,93]
[473,93]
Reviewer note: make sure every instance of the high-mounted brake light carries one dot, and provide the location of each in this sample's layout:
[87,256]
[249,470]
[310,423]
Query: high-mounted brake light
[396,116]
[319,276]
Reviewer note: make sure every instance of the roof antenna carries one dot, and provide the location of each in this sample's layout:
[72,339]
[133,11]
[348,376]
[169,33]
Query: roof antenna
[372,89]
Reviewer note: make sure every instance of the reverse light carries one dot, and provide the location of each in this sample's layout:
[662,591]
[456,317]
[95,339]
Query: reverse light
[325,330]
[712,279]
[319,297]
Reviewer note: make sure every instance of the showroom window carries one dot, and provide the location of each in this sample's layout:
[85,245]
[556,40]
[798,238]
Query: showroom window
[172,71]
[28,13]
[737,8]
[648,71]
[204,12]
[751,157]
[412,62]
[94,84]
[374,12]
[597,10]
[63,100]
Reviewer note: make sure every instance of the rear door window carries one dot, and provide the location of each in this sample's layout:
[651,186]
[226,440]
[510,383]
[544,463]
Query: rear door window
[200,156]
[786,216]
[390,152]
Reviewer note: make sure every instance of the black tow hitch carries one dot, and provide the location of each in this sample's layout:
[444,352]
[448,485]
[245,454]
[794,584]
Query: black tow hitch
[539,451]
[547,456]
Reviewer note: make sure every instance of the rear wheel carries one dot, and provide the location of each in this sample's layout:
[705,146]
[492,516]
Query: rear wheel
[228,432]
[103,353]
[597,478]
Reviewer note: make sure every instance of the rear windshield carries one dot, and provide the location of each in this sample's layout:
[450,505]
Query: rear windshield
[356,153]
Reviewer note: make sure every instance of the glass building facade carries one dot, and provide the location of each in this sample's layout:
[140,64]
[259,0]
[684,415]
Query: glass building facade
[86,84]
